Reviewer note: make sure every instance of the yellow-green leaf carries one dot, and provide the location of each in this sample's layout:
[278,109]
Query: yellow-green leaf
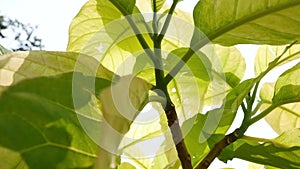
[233,22]
[266,54]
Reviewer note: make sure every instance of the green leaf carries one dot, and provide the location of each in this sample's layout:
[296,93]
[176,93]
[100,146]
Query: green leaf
[189,86]
[282,152]
[233,64]
[199,65]
[159,4]
[23,65]
[122,102]
[106,22]
[45,87]
[231,104]
[238,21]
[283,117]
[204,128]
[287,88]
[197,147]
[11,159]
[125,7]
[228,69]
[126,165]
[88,17]
[45,124]
[266,54]
[120,105]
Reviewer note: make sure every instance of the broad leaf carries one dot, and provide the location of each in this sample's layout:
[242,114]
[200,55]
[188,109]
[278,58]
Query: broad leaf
[217,121]
[45,125]
[90,22]
[287,88]
[208,128]
[228,69]
[249,21]
[23,65]
[266,54]
[233,64]
[282,118]
[196,145]
[123,101]
[189,86]
[11,159]
[120,105]
[282,152]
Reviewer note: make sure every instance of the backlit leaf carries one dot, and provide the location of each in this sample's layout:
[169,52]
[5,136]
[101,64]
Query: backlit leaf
[249,21]
[287,88]
[266,54]
[283,117]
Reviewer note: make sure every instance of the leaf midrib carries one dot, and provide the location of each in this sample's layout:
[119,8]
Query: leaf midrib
[250,18]
[58,146]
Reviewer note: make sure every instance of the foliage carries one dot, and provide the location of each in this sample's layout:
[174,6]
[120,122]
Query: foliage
[130,79]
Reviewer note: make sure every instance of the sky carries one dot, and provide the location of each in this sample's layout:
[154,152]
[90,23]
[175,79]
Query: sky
[53,18]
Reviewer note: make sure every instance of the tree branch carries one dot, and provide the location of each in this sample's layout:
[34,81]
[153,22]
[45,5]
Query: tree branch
[217,149]
[173,124]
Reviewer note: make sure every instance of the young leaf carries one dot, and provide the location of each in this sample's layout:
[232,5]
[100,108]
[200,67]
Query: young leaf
[228,69]
[287,88]
[233,64]
[266,54]
[237,21]
[282,152]
[285,116]
[89,25]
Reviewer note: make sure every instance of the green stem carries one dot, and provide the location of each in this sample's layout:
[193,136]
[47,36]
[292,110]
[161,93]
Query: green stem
[257,107]
[154,20]
[262,114]
[136,30]
[167,22]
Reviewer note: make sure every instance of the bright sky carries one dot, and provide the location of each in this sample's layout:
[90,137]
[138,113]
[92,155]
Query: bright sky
[54,17]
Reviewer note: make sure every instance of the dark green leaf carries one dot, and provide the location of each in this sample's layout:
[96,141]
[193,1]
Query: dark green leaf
[159,4]
[125,6]
[282,152]
[44,127]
